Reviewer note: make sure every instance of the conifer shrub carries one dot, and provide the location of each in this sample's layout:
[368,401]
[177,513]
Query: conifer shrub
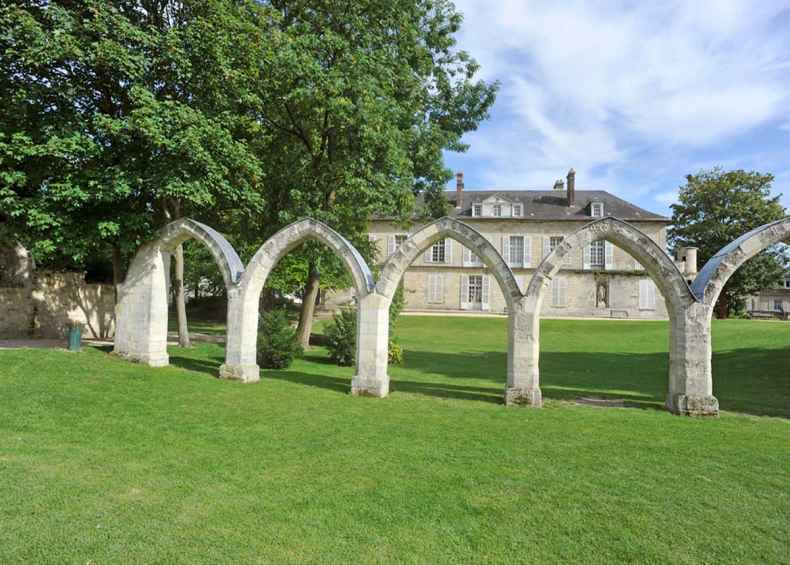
[277,343]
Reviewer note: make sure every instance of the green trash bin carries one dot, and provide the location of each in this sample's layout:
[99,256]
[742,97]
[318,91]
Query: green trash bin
[75,336]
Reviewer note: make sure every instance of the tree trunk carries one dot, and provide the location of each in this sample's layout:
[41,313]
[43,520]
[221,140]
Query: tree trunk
[722,308]
[116,270]
[305,326]
[181,303]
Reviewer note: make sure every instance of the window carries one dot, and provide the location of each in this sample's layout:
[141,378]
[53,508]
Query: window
[554,242]
[647,294]
[474,291]
[778,305]
[437,252]
[477,210]
[787,283]
[497,210]
[596,209]
[598,254]
[395,241]
[516,250]
[558,292]
[435,288]
[517,210]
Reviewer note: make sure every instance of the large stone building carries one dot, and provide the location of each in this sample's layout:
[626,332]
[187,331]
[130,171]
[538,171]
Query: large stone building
[525,225]
[771,302]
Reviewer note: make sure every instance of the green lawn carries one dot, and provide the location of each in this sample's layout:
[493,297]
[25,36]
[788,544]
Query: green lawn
[105,461]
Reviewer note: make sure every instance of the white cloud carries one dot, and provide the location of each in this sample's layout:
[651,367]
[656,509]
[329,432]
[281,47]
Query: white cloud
[598,87]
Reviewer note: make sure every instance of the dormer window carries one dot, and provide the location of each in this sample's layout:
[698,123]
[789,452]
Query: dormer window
[517,210]
[477,210]
[596,209]
[497,210]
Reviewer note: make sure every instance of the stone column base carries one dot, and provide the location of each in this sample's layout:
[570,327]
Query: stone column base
[693,405]
[362,387]
[243,373]
[146,359]
[524,397]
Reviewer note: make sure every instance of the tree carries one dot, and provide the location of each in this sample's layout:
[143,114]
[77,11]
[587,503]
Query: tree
[360,100]
[117,117]
[716,207]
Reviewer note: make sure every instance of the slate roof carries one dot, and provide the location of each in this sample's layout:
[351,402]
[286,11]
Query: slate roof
[552,205]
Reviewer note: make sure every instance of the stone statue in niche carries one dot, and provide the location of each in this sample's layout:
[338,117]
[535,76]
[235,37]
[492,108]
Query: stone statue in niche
[602,294]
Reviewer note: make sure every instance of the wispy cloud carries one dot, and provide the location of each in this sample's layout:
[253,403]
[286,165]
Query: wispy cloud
[628,93]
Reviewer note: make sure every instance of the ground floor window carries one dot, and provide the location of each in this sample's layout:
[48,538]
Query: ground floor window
[778,306]
[559,287]
[474,292]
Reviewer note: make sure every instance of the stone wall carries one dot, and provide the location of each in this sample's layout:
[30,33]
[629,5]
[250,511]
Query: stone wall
[45,307]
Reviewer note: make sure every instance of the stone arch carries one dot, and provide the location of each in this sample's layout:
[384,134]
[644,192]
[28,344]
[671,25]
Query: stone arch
[395,267]
[141,313]
[241,348]
[713,276]
[658,265]
[691,372]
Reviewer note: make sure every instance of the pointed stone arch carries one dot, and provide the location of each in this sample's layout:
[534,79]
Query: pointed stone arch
[658,265]
[717,271]
[141,312]
[241,347]
[394,268]
[396,265]
[691,378]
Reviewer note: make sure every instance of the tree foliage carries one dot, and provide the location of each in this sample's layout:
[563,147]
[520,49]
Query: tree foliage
[716,207]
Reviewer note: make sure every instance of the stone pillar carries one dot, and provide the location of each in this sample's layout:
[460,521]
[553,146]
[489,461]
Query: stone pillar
[371,378]
[241,340]
[523,352]
[141,313]
[690,377]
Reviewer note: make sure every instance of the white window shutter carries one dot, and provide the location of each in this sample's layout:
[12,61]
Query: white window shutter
[638,266]
[448,251]
[428,256]
[464,292]
[546,246]
[587,257]
[527,251]
[486,293]
[391,245]
[609,255]
[651,297]
[506,248]
[555,292]
[467,256]
[643,294]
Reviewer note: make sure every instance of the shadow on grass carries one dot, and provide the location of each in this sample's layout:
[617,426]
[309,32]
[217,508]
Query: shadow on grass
[752,381]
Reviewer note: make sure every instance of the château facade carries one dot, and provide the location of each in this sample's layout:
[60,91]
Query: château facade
[525,225]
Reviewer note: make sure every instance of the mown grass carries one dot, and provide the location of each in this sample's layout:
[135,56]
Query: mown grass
[104,461]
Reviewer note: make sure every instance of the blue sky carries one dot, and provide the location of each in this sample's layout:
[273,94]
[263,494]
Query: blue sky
[633,95]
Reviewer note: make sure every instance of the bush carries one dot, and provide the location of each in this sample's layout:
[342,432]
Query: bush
[395,356]
[341,336]
[277,345]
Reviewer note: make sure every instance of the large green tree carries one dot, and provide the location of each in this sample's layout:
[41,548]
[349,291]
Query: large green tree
[715,207]
[360,99]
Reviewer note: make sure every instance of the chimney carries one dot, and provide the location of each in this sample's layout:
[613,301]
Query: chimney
[571,187]
[559,184]
[459,189]
[688,255]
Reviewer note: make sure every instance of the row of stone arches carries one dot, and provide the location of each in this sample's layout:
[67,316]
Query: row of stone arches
[142,308]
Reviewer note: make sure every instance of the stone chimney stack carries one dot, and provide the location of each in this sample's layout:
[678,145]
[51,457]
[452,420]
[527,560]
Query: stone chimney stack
[571,187]
[688,255]
[459,189]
